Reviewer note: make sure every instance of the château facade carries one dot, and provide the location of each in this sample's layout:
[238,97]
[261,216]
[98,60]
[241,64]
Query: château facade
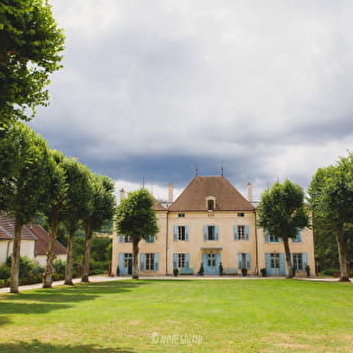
[209,227]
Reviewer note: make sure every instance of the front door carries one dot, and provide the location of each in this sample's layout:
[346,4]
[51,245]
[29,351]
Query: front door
[275,264]
[211,262]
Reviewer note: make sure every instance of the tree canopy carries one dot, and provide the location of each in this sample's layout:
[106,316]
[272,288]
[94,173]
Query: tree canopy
[282,213]
[331,198]
[136,217]
[30,48]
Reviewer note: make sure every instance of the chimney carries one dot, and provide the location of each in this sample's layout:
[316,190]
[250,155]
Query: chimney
[249,190]
[170,192]
[122,194]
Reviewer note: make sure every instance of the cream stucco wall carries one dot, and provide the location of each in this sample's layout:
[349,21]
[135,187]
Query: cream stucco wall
[226,246]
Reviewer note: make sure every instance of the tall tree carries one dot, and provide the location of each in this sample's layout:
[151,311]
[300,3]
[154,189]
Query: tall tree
[57,199]
[331,198]
[79,204]
[136,218]
[282,213]
[23,190]
[30,50]
[103,210]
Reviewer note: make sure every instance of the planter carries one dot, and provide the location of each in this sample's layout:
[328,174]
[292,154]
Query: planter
[263,272]
[175,272]
[244,272]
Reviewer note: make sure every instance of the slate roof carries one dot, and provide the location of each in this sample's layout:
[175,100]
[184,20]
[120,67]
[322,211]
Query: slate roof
[7,229]
[41,244]
[29,232]
[227,197]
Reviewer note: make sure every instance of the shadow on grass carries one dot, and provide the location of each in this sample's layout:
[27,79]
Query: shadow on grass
[42,301]
[41,347]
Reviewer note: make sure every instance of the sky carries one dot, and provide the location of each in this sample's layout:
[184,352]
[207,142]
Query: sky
[151,91]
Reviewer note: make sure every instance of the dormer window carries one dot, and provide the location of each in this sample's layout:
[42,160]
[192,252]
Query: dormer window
[211,203]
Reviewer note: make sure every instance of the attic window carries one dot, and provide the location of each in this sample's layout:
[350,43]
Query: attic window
[211,203]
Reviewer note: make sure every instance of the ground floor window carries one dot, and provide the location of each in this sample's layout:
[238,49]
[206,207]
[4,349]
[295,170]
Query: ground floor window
[297,261]
[150,262]
[274,260]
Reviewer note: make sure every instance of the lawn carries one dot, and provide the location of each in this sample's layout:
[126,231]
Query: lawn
[269,315]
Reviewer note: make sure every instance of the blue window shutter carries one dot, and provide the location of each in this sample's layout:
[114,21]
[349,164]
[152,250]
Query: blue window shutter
[121,260]
[268,261]
[204,259]
[305,260]
[121,239]
[175,260]
[142,261]
[267,236]
[187,260]
[175,233]
[205,233]
[282,266]
[239,260]
[186,233]
[248,260]
[247,232]
[216,229]
[218,260]
[235,233]
[156,261]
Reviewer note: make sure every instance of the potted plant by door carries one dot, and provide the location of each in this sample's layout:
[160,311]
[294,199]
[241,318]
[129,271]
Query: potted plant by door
[244,272]
[175,272]
[201,270]
[220,269]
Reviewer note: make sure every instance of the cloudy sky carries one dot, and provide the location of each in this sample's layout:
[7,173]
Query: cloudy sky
[152,89]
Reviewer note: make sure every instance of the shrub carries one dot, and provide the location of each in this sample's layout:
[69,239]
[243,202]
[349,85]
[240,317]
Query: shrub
[329,271]
[4,271]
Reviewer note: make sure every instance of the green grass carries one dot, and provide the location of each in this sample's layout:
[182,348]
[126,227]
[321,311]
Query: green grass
[180,316]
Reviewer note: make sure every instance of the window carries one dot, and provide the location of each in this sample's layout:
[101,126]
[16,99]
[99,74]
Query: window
[269,238]
[149,239]
[274,260]
[211,260]
[181,215]
[241,214]
[180,233]
[150,262]
[181,260]
[211,233]
[244,260]
[241,232]
[127,259]
[211,203]
[125,239]
[298,237]
[297,261]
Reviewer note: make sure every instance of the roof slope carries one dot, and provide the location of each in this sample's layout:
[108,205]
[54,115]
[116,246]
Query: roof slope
[7,229]
[41,245]
[193,198]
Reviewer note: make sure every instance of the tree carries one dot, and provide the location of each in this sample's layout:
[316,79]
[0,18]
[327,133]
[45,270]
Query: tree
[24,186]
[331,199]
[136,218]
[282,213]
[103,209]
[29,52]
[79,204]
[57,199]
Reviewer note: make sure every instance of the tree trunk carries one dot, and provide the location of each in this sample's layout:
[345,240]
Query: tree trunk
[15,261]
[48,274]
[287,255]
[135,254]
[87,254]
[342,255]
[69,260]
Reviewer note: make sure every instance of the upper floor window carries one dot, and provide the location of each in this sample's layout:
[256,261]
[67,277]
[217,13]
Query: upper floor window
[298,237]
[269,238]
[180,233]
[125,239]
[150,239]
[211,233]
[181,215]
[241,232]
[241,214]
